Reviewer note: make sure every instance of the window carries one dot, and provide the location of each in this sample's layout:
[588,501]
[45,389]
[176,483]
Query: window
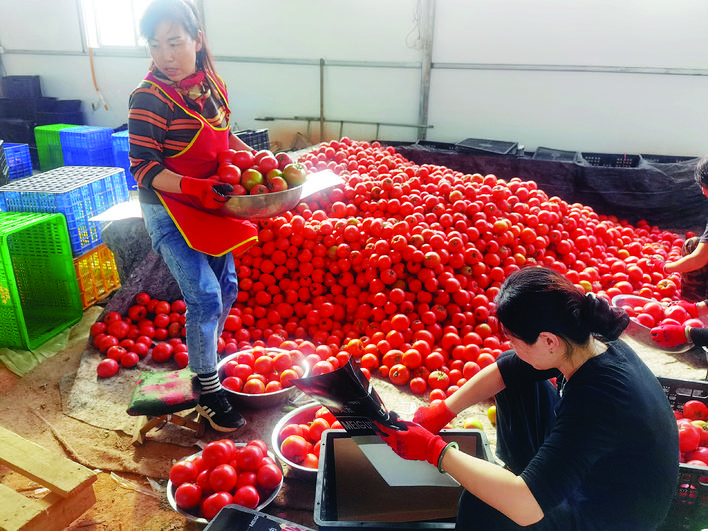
[113,23]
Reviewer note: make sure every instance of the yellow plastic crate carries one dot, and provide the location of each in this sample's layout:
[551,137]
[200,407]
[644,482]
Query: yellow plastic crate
[97,274]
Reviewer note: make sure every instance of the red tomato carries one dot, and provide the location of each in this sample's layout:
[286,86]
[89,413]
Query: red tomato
[215,502]
[222,477]
[695,410]
[294,448]
[107,368]
[689,437]
[317,426]
[269,476]
[188,495]
[244,159]
[162,352]
[249,457]
[247,497]
[216,453]
[253,386]
[229,173]
[260,443]
[438,380]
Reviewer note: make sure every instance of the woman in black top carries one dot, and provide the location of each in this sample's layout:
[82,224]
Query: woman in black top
[599,452]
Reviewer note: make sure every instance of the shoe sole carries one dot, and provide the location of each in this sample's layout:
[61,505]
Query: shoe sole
[203,413]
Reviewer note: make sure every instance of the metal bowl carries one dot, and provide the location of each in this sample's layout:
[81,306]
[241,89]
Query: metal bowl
[641,333]
[264,400]
[195,517]
[302,415]
[262,206]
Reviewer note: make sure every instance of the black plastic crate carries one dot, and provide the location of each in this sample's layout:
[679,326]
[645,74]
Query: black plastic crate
[257,139]
[665,159]
[356,470]
[556,155]
[25,108]
[237,518]
[66,106]
[442,146]
[51,118]
[611,160]
[482,146]
[21,87]
[689,509]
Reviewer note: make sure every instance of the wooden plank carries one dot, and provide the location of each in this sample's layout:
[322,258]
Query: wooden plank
[16,510]
[60,512]
[49,469]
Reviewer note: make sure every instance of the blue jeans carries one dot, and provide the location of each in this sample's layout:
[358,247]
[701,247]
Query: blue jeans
[208,284]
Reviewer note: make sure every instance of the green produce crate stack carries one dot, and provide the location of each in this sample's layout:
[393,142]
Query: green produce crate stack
[39,291]
[49,145]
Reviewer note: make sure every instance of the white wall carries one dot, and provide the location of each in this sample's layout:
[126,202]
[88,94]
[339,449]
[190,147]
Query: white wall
[622,76]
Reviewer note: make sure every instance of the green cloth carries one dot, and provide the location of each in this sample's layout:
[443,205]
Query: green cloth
[21,362]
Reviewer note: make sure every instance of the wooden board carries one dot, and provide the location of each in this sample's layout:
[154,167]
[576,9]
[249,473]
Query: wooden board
[70,487]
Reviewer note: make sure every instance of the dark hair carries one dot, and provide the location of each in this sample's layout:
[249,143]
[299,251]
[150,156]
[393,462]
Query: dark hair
[184,13]
[701,173]
[537,299]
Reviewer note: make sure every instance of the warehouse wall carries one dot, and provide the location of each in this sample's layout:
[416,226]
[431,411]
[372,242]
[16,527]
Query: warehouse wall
[624,76]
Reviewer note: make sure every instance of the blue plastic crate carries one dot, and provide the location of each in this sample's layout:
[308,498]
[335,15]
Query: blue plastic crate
[87,146]
[78,192]
[18,159]
[121,147]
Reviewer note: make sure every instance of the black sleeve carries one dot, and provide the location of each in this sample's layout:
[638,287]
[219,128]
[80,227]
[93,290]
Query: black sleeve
[514,370]
[699,336]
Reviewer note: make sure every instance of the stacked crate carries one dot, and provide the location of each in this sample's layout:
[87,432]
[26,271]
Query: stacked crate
[49,145]
[121,147]
[18,160]
[78,192]
[97,274]
[87,146]
[39,294]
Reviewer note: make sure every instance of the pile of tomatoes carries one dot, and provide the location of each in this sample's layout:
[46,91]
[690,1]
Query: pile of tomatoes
[152,327]
[399,267]
[222,474]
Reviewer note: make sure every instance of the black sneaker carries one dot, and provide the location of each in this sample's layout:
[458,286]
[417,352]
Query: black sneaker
[216,408]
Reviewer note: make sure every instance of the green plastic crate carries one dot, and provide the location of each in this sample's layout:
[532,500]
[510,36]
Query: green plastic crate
[39,291]
[49,145]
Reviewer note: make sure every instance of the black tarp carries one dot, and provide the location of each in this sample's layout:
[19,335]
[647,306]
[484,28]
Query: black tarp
[663,193]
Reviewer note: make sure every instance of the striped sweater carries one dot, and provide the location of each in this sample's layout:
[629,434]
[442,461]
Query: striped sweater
[159,128]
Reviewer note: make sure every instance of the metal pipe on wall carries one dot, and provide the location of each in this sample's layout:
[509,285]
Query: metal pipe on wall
[428,22]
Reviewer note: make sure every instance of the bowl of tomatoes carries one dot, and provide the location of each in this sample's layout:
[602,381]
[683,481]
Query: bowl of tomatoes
[646,314]
[262,206]
[296,438]
[261,377]
[223,473]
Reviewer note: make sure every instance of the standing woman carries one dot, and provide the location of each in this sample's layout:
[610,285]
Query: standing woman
[599,452]
[178,124]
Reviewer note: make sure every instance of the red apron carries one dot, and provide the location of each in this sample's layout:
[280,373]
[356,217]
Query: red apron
[203,230]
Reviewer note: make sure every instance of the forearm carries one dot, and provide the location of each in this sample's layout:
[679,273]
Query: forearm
[696,260]
[482,386]
[238,144]
[167,181]
[494,485]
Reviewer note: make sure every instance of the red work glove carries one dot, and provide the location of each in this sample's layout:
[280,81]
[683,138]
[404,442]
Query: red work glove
[212,194]
[434,418]
[414,443]
[690,307]
[669,335]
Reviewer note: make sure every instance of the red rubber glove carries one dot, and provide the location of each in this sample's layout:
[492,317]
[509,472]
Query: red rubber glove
[414,443]
[434,418]
[211,194]
[669,335]
[690,307]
